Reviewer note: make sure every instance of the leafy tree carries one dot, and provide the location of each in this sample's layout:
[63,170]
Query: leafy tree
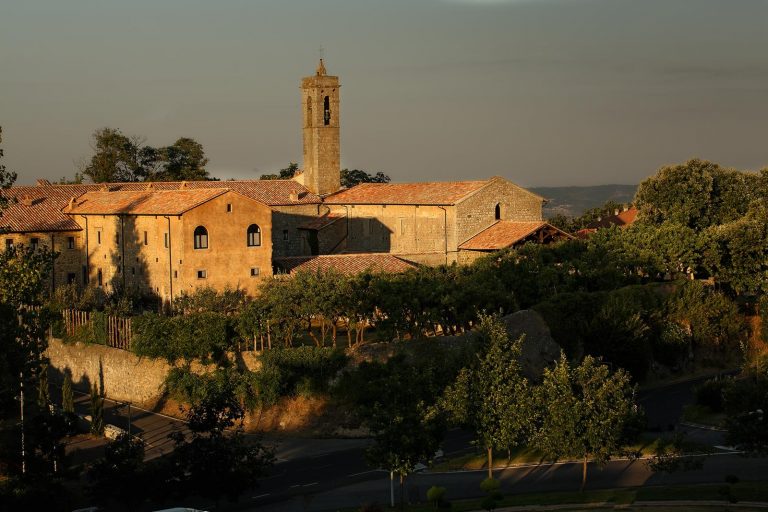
[43,390]
[216,460]
[355,177]
[583,412]
[67,397]
[97,411]
[120,477]
[24,274]
[285,173]
[493,397]
[184,160]
[6,178]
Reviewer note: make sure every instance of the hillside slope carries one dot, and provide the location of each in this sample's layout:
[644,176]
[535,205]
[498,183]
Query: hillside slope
[572,201]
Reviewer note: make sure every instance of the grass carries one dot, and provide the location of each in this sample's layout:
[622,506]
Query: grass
[703,415]
[647,446]
[743,491]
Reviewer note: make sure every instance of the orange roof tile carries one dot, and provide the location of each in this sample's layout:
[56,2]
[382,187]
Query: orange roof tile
[429,193]
[622,219]
[48,201]
[505,233]
[144,202]
[348,264]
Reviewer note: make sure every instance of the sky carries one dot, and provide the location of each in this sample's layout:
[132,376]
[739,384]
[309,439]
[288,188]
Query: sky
[542,92]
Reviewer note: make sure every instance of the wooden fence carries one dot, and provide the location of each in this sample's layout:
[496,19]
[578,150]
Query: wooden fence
[117,331]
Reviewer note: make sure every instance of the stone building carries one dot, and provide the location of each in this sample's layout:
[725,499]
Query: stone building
[171,237]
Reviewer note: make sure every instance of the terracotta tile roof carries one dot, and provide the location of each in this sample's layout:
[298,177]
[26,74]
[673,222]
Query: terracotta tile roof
[141,202]
[434,193]
[348,264]
[48,201]
[506,233]
[622,219]
[39,208]
[322,222]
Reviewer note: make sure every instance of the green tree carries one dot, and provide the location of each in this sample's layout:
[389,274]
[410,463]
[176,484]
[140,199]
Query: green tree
[184,160]
[97,411]
[216,460]
[493,397]
[120,477]
[285,173]
[6,178]
[67,397]
[116,157]
[43,390]
[355,177]
[583,412]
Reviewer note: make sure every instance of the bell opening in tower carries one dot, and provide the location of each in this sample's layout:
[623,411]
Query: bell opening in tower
[327,111]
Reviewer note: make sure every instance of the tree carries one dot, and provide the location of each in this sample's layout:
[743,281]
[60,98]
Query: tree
[355,177]
[285,173]
[216,459]
[493,397]
[184,160]
[116,157]
[583,412]
[43,390]
[120,477]
[6,178]
[67,397]
[97,411]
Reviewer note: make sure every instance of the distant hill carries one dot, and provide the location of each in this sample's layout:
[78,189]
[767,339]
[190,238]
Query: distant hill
[572,201]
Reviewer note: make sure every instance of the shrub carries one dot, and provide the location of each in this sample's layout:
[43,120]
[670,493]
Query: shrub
[711,393]
[490,485]
[435,495]
[204,336]
[672,344]
[303,369]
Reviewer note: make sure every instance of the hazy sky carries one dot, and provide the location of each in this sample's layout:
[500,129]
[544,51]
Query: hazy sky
[543,92]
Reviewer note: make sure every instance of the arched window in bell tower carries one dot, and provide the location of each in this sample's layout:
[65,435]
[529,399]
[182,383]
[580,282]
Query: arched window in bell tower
[309,111]
[498,211]
[327,111]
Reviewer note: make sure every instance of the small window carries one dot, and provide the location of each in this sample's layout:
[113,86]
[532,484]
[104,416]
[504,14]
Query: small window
[498,211]
[254,271]
[71,277]
[133,271]
[85,274]
[98,237]
[254,235]
[201,238]
[9,243]
[34,243]
[175,274]
[165,240]
[117,239]
[70,242]
[146,239]
[99,278]
[229,207]
[326,111]
[285,235]
[202,274]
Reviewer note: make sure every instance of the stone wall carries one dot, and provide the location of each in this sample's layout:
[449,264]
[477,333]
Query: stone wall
[478,211]
[287,238]
[120,373]
[69,265]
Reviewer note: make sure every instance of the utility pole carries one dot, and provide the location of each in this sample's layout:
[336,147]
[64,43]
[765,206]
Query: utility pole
[391,488]
[21,399]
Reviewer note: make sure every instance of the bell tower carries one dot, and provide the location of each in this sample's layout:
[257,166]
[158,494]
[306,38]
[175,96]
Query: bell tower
[320,104]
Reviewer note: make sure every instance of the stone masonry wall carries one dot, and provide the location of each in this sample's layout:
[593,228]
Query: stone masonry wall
[478,211]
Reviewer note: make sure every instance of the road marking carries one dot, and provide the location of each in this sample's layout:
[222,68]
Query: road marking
[297,485]
[313,483]
[369,471]
[259,496]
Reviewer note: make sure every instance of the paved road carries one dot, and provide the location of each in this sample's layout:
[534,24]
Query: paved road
[534,478]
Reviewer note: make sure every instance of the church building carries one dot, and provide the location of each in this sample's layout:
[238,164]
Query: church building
[173,237]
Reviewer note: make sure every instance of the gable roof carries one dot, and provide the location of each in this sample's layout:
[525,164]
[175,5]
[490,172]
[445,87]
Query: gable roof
[347,264]
[144,202]
[43,209]
[621,219]
[506,233]
[427,193]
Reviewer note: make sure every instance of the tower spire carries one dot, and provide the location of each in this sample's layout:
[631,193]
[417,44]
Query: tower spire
[321,68]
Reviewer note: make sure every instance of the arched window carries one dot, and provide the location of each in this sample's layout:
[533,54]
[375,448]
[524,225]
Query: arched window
[498,211]
[201,238]
[254,235]
[327,111]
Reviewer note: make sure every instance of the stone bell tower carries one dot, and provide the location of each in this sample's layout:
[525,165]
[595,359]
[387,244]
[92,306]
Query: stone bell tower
[320,103]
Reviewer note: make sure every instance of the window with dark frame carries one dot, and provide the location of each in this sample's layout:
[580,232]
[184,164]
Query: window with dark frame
[99,278]
[254,236]
[254,271]
[34,243]
[165,240]
[146,239]
[98,237]
[202,274]
[71,277]
[285,235]
[229,207]
[70,242]
[201,237]
[9,243]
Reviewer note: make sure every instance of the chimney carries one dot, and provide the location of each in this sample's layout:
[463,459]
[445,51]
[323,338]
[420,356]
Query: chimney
[104,188]
[43,183]
[150,186]
[27,200]
[72,202]
[293,196]
[183,185]
[616,212]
